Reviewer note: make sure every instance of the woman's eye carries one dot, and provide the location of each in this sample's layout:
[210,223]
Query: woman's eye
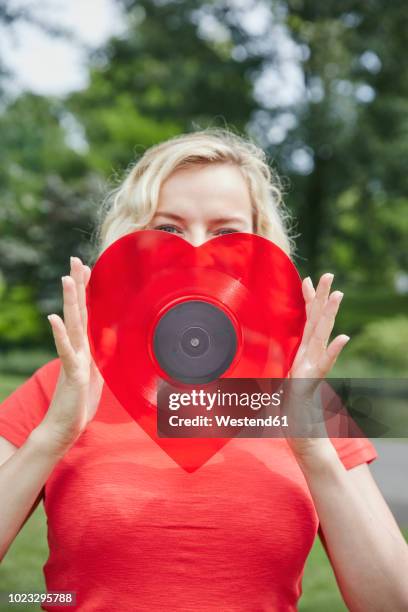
[225,231]
[168,228]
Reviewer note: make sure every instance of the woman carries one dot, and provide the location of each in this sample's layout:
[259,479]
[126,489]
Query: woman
[128,529]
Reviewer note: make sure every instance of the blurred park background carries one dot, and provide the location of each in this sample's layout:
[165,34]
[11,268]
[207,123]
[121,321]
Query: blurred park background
[321,86]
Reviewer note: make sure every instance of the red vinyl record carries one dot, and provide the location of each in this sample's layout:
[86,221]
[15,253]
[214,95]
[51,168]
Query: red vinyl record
[160,309]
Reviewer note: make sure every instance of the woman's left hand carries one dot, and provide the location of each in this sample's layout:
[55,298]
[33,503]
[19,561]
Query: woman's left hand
[313,361]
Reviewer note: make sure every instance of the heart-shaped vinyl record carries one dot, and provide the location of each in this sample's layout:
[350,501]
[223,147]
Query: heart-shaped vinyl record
[160,309]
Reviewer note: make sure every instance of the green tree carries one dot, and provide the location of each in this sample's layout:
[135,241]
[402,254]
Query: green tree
[340,140]
[159,79]
[352,121]
[47,205]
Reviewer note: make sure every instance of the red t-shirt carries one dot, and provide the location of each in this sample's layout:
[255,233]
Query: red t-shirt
[128,529]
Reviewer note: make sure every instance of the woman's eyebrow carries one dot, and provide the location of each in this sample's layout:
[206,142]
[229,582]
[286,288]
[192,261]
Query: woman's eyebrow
[228,220]
[169,215]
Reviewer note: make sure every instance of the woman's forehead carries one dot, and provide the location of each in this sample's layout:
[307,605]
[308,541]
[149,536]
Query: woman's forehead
[220,188]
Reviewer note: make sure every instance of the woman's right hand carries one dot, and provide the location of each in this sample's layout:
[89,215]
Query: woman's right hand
[79,386]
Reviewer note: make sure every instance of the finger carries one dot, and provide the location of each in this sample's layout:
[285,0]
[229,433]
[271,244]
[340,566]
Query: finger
[87,274]
[331,354]
[321,333]
[308,289]
[64,349]
[72,317]
[78,274]
[308,294]
[317,305]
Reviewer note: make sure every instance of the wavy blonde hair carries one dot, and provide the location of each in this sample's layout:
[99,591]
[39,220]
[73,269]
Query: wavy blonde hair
[132,205]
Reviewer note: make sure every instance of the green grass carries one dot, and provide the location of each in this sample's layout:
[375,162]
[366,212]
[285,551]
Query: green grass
[320,591]
[21,570]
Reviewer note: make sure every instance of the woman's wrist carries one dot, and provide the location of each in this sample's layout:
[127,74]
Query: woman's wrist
[49,442]
[316,456]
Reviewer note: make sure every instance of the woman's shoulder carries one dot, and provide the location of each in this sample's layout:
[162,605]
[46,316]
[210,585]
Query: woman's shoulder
[24,408]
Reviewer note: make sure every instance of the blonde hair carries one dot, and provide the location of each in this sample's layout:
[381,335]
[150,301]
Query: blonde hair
[133,204]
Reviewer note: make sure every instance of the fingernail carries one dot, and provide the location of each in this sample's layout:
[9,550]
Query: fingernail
[340,294]
[347,338]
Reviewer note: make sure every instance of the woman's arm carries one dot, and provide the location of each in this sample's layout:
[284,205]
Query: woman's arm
[22,477]
[367,551]
[74,403]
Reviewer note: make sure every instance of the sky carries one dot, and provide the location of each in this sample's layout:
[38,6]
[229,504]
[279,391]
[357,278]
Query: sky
[47,65]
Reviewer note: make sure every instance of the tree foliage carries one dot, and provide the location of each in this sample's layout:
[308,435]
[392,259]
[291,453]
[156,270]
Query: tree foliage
[339,139]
